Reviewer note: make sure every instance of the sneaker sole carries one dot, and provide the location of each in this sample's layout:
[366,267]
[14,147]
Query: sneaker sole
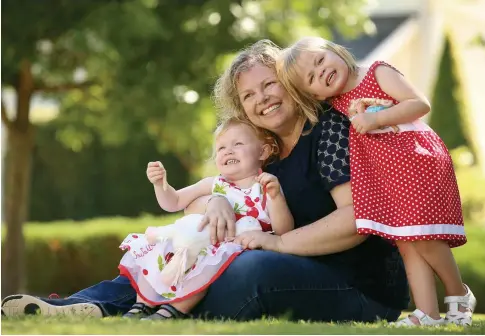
[20,305]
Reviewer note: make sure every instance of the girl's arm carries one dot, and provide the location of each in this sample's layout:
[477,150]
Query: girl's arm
[172,200]
[412,103]
[280,215]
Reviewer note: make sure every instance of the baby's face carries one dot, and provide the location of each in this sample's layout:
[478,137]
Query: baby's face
[238,152]
[323,74]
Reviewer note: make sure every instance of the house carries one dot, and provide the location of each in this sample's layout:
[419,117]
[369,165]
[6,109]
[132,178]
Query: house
[410,35]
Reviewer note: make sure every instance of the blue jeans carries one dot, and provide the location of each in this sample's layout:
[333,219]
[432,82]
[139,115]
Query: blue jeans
[262,283]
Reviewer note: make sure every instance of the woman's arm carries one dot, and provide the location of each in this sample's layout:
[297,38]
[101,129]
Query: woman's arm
[333,233]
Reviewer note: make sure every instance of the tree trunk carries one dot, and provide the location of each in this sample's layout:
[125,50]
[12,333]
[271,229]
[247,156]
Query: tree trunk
[16,196]
[17,177]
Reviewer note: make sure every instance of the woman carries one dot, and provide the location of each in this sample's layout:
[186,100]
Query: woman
[325,270]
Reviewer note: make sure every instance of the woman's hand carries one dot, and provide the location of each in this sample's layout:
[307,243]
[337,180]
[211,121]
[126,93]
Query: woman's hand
[220,217]
[259,240]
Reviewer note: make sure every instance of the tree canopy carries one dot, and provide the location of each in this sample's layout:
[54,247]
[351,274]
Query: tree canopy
[150,64]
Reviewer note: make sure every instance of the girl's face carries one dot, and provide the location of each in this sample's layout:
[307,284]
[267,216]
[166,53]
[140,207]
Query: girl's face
[265,101]
[239,152]
[323,74]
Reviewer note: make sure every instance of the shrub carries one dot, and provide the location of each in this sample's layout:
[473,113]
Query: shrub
[65,257]
[98,180]
[471,182]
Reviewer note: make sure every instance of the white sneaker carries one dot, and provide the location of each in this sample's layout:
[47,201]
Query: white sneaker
[454,315]
[20,304]
[424,320]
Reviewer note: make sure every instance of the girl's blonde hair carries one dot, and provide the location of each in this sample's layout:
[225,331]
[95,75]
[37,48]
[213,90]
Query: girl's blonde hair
[226,98]
[263,135]
[289,75]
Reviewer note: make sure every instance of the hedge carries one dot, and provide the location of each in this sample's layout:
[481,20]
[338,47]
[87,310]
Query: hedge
[64,257]
[448,117]
[96,181]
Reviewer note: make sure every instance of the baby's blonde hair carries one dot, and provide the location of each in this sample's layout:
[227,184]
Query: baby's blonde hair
[263,135]
[288,73]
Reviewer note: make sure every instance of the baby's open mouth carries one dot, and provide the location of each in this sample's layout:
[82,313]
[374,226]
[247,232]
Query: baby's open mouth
[231,161]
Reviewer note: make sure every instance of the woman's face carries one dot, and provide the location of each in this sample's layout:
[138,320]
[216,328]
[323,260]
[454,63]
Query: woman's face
[265,101]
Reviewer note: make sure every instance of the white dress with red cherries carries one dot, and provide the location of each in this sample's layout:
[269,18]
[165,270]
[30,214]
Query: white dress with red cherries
[403,184]
[143,262]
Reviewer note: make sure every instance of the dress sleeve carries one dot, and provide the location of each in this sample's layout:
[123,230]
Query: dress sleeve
[333,149]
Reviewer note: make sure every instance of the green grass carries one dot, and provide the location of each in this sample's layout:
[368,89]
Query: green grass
[470,257]
[70,325]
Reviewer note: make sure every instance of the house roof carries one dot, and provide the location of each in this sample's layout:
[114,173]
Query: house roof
[361,46]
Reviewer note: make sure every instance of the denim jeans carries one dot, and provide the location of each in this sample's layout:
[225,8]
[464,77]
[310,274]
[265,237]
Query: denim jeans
[262,283]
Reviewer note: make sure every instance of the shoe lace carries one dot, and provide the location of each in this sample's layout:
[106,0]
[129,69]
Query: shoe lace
[54,296]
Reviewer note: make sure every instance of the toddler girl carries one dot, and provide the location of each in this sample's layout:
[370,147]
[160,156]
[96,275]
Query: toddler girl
[171,266]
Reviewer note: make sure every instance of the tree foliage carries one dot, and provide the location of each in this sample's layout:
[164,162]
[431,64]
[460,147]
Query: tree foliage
[447,116]
[128,67]
[149,60]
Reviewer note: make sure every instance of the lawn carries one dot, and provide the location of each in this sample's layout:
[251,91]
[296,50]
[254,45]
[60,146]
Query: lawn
[70,325]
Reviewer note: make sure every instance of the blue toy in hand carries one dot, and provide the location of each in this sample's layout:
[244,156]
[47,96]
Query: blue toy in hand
[373,105]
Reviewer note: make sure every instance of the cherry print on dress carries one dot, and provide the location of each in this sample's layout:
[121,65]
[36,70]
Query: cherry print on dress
[248,201]
[253,212]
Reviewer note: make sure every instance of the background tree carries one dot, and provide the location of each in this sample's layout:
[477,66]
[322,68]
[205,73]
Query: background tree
[447,102]
[123,67]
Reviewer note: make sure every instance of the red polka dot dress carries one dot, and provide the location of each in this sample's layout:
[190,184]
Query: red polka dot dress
[403,184]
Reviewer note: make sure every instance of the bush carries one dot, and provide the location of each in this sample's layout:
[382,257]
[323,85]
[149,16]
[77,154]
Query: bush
[64,257]
[471,182]
[97,180]
[448,117]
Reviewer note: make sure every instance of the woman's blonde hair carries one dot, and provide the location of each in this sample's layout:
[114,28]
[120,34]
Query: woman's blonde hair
[289,75]
[226,97]
[266,137]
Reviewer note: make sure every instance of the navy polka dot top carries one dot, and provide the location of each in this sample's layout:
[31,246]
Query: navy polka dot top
[318,163]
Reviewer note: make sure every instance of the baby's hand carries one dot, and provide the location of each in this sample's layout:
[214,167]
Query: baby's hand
[271,183]
[157,174]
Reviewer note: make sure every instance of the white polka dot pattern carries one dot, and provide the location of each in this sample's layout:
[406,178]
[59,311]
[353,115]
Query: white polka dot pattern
[403,185]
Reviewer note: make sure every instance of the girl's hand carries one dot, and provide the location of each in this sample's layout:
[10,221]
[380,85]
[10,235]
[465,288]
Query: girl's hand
[271,183]
[157,174]
[259,240]
[364,122]
[220,217]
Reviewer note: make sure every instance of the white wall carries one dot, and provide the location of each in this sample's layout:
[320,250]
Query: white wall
[386,7]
